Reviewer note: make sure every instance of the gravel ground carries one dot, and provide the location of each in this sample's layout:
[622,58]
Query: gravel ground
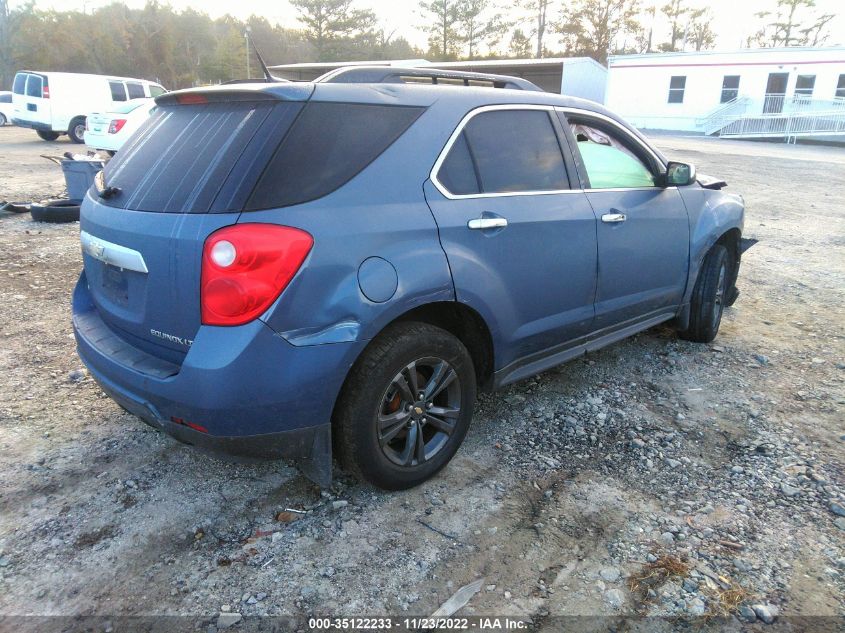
[656,477]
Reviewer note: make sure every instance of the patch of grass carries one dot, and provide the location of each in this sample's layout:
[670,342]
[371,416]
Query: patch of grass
[654,574]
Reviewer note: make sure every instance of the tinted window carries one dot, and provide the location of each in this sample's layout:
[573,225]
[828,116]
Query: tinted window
[609,159]
[136,90]
[20,84]
[327,146]
[457,173]
[33,86]
[676,89]
[198,158]
[730,88]
[156,90]
[118,92]
[516,150]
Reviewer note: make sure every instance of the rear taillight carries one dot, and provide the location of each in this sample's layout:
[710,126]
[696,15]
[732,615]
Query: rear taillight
[116,125]
[45,92]
[245,267]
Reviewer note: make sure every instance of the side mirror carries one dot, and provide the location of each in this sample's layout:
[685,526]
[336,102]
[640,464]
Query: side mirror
[679,174]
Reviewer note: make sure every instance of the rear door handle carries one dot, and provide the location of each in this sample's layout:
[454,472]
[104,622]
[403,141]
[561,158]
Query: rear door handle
[613,217]
[487,223]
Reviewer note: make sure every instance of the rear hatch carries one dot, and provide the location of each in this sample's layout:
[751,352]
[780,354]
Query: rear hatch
[31,99]
[184,174]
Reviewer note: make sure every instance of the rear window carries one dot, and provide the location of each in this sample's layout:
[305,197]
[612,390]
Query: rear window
[118,92]
[198,158]
[328,146]
[33,86]
[136,90]
[20,84]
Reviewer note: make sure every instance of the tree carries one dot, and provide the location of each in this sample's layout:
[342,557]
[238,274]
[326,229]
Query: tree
[592,27]
[329,21]
[476,24]
[520,44]
[444,15]
[675,12]
[700,33]
[792,24]
[538,11]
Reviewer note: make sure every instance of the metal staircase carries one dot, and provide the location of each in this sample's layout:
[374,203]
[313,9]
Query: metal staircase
[776,116]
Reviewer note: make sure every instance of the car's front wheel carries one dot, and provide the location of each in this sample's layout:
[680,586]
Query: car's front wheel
[406,406]
[709,296]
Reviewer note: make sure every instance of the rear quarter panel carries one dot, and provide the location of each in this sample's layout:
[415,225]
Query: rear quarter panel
[380,213]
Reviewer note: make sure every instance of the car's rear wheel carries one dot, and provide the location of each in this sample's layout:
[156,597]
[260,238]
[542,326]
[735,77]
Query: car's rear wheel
[709,296]
[76,130]
[406,406]
[2,119]
[45,135]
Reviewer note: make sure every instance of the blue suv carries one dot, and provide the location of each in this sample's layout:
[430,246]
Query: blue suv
[296,270]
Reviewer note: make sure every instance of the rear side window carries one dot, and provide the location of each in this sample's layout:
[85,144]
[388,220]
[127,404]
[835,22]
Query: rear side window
[328,145]
[118,92]
[136,90]
[33,86]
[198,158]
[156,90]
[505,151]
[20,84]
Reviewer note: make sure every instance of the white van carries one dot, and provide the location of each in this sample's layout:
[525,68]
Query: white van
[57,103]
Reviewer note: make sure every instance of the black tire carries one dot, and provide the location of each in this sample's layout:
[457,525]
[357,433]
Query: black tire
[709,296]
[370,449]
[3,119]
[55,211]
[76,130]
[47,136]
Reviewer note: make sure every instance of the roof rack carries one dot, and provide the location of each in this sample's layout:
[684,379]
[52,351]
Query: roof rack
[433,76]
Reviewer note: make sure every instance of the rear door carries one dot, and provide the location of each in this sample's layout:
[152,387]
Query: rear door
[643,228]
[183,175]
[30,104]
[521,243]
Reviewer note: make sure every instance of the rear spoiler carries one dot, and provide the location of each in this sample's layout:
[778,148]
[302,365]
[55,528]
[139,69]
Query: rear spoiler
[393,74]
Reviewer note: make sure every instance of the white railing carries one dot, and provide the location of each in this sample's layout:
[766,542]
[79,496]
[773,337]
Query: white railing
[724,114]
[777,116]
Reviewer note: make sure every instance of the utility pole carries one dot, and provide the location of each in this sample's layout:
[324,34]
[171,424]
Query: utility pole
[246,38]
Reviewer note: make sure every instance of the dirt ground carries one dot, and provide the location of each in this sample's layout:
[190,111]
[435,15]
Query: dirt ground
[655,478]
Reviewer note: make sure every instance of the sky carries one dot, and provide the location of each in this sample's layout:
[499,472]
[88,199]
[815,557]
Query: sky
[733,19]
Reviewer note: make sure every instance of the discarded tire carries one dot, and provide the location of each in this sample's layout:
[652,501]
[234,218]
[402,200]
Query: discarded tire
[55,211]
[14,207]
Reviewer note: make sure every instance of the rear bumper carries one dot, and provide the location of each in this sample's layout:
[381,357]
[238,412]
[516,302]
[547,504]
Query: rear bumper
[34,125]
[240,390]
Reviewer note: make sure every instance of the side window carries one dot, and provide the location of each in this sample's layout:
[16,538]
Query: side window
[730,88]
[840,87]
[136,90]
[505,151]
[610,162]
[33,86]
[156,90]
[20,84]
[118,92]
[676,89]
[457,173]
[329,144]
